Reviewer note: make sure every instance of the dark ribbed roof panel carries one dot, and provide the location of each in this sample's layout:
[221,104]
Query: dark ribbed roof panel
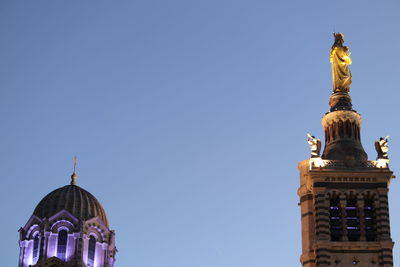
[75,200]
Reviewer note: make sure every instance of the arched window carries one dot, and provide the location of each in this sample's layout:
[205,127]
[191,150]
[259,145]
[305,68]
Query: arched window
[35,254]
[370,230]
[352,221]
[62,244]
[91,250]
[334,218]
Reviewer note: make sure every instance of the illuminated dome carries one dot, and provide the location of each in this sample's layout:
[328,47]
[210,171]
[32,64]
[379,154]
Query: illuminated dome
[68,228]
[74,199]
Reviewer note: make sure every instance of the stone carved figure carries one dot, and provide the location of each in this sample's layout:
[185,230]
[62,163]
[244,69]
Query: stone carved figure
[340,60]
[382,147]
[315,145]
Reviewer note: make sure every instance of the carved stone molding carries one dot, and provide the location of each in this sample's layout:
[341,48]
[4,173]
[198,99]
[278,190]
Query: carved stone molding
[341,115]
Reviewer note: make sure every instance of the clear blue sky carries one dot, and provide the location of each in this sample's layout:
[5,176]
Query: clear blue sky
[188,117]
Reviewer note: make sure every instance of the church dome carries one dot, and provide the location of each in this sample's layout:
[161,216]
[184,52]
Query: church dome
[76,200]
[57,220]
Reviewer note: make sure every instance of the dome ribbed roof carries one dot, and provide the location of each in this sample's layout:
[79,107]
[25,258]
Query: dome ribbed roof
[75,200]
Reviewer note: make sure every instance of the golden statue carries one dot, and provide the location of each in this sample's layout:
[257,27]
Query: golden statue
[340,59]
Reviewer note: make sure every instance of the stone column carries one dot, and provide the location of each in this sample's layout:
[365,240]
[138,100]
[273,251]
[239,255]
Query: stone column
[308,257]
[383,214]
[343,213]
[104,247]
[360,209]
[46,236]
[322,216]
[21,253]
[81,245]
[386,257]
[111,250]
[378,229]
[76,241]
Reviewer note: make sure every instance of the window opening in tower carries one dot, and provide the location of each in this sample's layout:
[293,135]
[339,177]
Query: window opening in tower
[369,221]
[334,219]
[352,220]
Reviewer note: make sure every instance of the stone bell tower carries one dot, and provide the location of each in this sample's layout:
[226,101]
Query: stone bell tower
[343,195]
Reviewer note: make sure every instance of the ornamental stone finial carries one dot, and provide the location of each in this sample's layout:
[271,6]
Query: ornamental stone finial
[74,176]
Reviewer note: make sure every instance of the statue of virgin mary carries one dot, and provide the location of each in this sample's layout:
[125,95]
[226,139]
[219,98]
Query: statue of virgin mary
[340,59]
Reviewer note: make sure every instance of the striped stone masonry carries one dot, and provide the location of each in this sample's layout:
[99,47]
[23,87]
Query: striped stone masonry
[362,210]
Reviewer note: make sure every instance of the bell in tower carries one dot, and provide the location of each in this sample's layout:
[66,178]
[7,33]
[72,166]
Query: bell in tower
[343,195]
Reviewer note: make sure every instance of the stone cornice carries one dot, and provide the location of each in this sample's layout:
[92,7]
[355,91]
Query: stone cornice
[341,115]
